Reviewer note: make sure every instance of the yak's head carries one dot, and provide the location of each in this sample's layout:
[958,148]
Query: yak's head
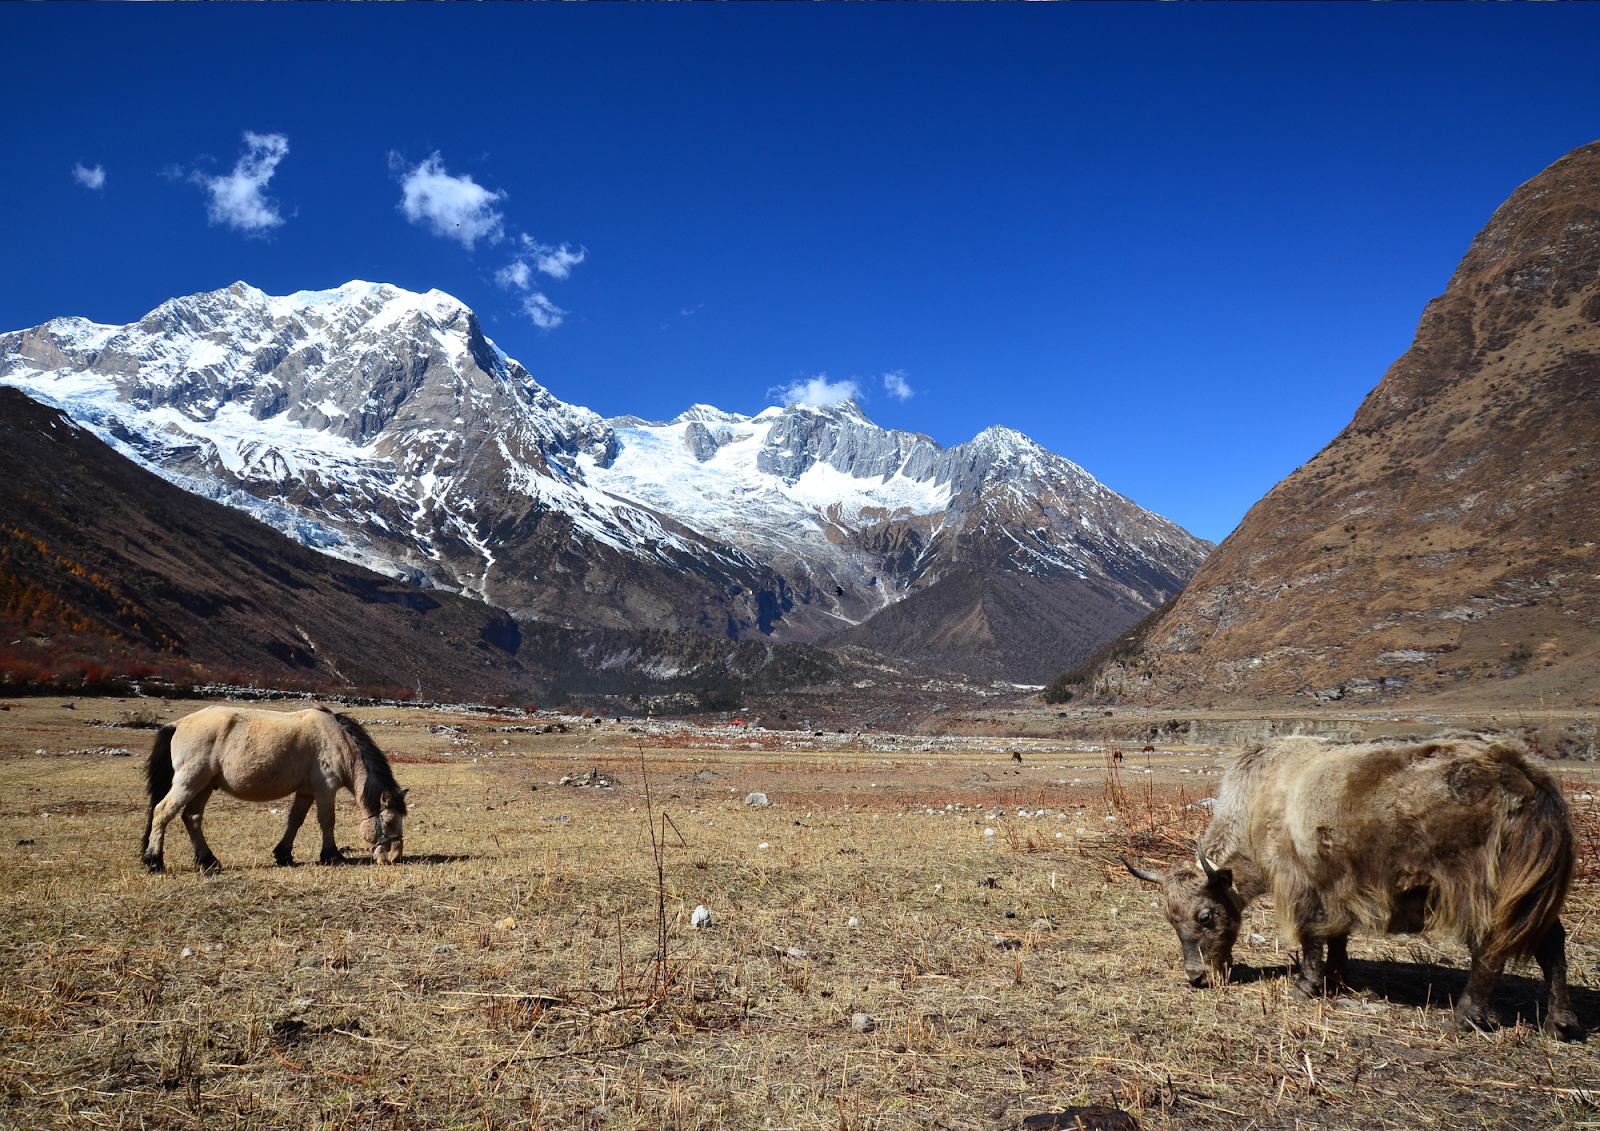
[384,830]
[1201,904]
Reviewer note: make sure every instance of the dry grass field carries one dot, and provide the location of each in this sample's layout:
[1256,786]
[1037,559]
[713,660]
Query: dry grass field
[509,973]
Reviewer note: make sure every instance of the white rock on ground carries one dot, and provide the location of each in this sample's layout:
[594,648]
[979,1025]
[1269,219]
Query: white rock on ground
[700,917]
[863,1023]
[757,800]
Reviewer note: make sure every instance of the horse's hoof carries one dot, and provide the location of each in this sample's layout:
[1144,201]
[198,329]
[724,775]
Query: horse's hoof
[1471,1022]
[335,859]
[284,859]
[209,867]
[154,864]
[1303,990]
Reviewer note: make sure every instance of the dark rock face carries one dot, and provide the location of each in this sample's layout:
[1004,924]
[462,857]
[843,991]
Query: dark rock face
[96,546]
[1448,534]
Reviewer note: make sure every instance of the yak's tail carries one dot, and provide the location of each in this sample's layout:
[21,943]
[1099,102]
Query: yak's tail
[157,778]
[1537,856]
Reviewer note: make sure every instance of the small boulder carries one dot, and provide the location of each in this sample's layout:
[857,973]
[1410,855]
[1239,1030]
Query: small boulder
[863,1023]
[757,800]
[700,917]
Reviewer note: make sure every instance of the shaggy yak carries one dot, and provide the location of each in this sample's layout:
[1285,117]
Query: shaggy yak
[1458,833]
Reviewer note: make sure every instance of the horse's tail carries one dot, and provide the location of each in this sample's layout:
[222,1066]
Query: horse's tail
[157,778]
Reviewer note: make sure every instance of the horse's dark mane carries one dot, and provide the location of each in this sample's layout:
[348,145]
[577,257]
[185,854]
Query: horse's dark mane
[380,778]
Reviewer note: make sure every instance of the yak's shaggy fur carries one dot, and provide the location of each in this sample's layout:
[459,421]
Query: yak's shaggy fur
[1458,833]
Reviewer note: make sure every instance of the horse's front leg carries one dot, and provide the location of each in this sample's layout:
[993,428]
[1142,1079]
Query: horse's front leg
[330,849]
[183,790]
[1337,970]
[193,814]
[283,851]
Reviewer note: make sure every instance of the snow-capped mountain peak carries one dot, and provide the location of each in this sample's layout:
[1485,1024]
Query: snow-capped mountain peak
[383,426]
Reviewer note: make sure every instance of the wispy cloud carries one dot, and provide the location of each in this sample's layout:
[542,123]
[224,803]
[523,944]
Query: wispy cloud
[557,262]
[89,178]
[545,314]
[818,391]
[517,274]
[895,385]
[238,198]
[457,208]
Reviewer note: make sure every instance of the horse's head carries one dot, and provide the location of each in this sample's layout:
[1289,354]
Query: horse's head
[384,831]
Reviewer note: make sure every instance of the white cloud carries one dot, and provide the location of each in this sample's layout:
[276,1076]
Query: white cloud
[455,207]
[895,385]
[237,199]
[89,178]
[518,275]
[557,262]
[545,314]
[818,391]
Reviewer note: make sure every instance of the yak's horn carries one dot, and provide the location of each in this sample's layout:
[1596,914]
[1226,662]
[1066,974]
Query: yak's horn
[1149,877]
[1200,858]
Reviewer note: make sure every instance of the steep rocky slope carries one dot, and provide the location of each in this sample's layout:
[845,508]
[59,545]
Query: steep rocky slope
[132,571]
[383,427]
[1447,536]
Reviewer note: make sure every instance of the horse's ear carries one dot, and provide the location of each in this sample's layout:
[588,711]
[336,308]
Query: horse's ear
[403,793]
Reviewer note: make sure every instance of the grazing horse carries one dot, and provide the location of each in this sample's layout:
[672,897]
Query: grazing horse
[264,755]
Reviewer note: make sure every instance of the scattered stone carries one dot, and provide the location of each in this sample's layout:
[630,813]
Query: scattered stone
[444,948]
[708,775]
[863,1023]
[1011,914]
[854,922]
[589,779]
[1042,925]
[700,917]
[763,844]
[188,952]
[67,706]
[795,952]
[1258,940]
[988,832]
[211,947]
[563,819]
[757,800]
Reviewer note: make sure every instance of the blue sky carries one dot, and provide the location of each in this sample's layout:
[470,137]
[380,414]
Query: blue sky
[1177,244]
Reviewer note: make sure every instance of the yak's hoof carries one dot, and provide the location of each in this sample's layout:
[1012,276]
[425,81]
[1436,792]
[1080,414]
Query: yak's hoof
[1306,990]
[284,859]
[1474,1021]
[1563,1027]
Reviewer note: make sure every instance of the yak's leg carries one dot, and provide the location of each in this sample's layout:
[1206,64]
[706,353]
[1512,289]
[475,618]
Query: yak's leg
[1338,959]
[283,851]
[193,814]
[184,788]
[1472,1008]
[1560,1021]
[1313,977]
[330,849]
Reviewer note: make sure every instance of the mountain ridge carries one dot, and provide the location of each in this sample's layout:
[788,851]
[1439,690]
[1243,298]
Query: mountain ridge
[383,426]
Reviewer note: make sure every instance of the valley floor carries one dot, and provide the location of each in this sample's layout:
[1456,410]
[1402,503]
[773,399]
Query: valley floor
[507,973]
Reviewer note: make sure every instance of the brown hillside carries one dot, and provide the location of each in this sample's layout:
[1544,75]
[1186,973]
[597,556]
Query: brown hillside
[1447,536]
[103,564]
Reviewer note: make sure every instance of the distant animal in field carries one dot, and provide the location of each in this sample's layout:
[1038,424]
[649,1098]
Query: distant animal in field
[1149,749]
[264,755]
[1016,756]
[1459,833]
[1116,755]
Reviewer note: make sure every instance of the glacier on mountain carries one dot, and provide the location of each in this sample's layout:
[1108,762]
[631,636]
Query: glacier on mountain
[382,426]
